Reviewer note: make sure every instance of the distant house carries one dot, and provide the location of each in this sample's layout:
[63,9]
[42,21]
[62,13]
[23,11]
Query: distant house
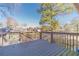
[30,29]
[4,30]
[73,26]
[11,23]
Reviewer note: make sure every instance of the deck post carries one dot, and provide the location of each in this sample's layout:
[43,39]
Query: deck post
[40,35]
[2,39]
[19,36]
[9,34]
[51,37]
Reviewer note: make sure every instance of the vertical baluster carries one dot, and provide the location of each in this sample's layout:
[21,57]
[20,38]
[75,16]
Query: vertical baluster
[67,40]
[73,42]
[19,36]
[61,40]
[64,41]
[9,35]
[57,39]
[2,39]
[35,33]
[77,41]
[70,42]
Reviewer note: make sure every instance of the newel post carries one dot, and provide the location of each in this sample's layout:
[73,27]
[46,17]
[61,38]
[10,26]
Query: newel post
[19,36]
[40,35]
[51,41]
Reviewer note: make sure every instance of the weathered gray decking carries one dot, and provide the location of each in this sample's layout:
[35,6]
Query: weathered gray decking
[34,48]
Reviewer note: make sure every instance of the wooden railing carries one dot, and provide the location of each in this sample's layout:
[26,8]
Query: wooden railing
[15,37]
[68,40]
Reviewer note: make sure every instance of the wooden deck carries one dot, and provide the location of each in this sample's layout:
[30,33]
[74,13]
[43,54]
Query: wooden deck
[35,48]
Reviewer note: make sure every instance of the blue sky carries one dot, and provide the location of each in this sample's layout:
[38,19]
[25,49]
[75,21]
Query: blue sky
[27,14]
[63,19]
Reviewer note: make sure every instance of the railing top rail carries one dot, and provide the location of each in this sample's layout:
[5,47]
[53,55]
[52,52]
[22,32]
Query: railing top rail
[21,32]
[69,33]
[4,33]
[62,33]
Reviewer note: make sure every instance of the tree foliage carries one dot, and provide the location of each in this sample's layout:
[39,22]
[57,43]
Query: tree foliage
[48,11]
[73,26]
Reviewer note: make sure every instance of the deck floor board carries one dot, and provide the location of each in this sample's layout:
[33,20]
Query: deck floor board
[35,48]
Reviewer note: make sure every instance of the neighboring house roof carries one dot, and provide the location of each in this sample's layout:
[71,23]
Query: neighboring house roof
[4,30]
